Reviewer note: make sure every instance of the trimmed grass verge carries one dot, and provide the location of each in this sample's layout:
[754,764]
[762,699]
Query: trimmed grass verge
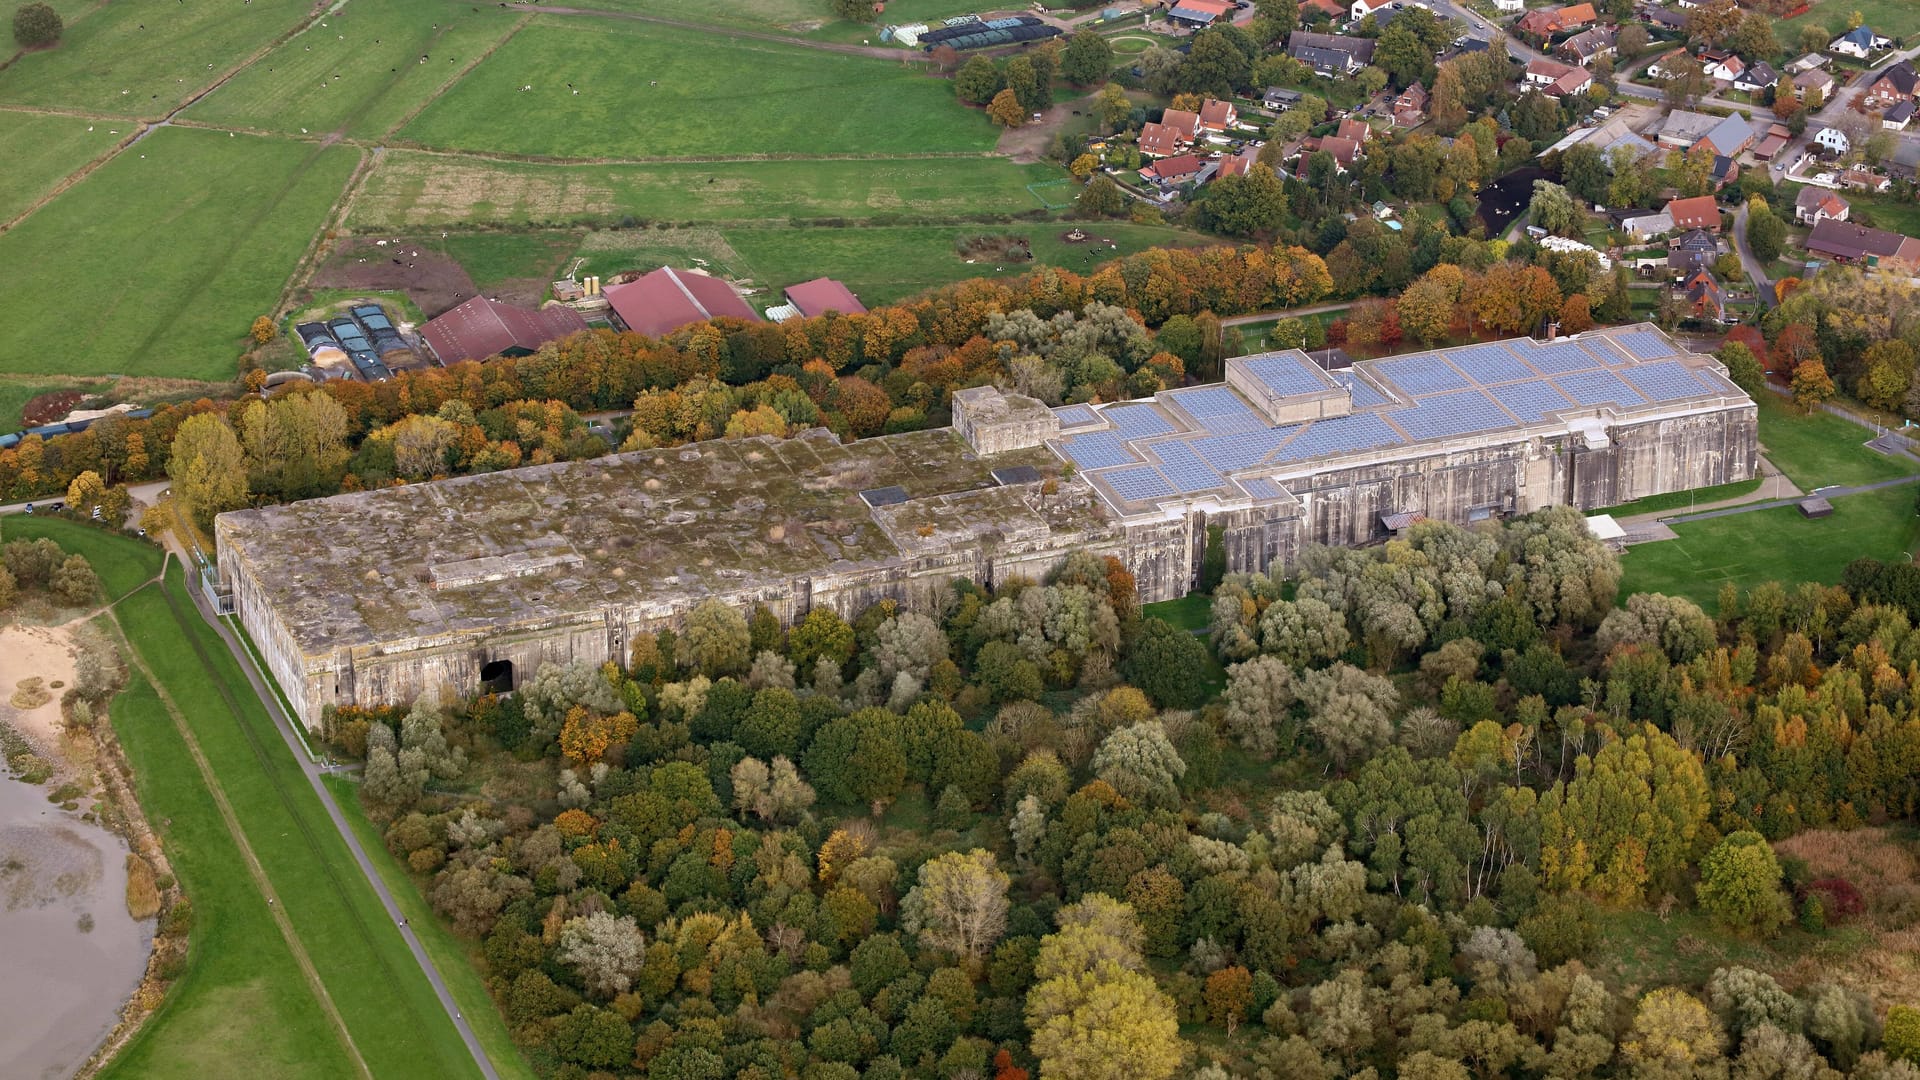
[1673,500]
[389,1008]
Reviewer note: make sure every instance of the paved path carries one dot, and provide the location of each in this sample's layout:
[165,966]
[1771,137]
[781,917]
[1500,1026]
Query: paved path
[1775,488]
[1286,313]
[1825,493]
[1756,270]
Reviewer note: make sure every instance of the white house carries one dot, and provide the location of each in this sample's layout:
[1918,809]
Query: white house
[1833,139]
[1858,42]
[1510,5]
[1364,8]
[1898,117]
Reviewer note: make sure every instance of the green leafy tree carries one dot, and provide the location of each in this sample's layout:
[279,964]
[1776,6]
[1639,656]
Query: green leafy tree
[1139,762]
[1100,198]
[1162,663]
[1766,233]
[208,468]
[1251,204]
[1740,884]
[977,80]
[1901,1037]
[36,25]
[1087,59]
[1742,368]
[1553,208]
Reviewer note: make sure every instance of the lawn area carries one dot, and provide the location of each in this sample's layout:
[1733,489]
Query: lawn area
[16,392]
[1891,18]
[413,190]
[1772,545]
[451,955]
[122,563]
[1821,449]
[241,1009]
[1885,212]
[144,59]
[362,73]
[880,263]
[1190,612]
[175,246]
[388,1006]
[40,151]
[647,91]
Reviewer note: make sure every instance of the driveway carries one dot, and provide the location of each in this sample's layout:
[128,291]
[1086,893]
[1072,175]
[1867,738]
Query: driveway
[1756,270]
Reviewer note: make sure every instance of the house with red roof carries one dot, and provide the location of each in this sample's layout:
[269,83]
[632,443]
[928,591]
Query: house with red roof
[1357,130]
[1159,140]
[1410,108]
[1699,212]
[1185,124]
[659,303]
[1546,22]
[482,328]
[1218,115]
[1363,8]
[1174,170]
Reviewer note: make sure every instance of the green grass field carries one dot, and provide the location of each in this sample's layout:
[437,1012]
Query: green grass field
[394,1019]
[146,59]
[1892,18]
[1673,500]
[122,563]
[241,1009]
[491,258]
[173,247]
[363,72]
[654,92]
[416,190]
[1820,449]
[40,151]
[1772,545]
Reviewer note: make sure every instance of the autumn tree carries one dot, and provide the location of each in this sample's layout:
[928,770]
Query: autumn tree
[1229,993]
[1811,384]
[1673,1036]
[1140,762]
[1112,107]
[606,952]
[716,640]
[208,468]
[1095,1014]
[959,903]
[264,330]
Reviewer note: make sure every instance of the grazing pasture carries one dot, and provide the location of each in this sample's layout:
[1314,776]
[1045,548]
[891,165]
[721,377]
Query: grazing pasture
[176,245]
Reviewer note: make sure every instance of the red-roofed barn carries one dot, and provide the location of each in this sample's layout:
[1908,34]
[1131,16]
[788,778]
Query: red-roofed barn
[481,328]
[821,295]
[667,299]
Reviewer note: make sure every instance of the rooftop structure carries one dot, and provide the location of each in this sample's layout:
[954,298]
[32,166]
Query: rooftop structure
[381,597]
[480,328]
[1280,419]
[667,299]
[821,295]
[1847,242]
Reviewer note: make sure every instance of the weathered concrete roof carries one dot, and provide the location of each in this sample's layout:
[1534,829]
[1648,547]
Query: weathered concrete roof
[647,529]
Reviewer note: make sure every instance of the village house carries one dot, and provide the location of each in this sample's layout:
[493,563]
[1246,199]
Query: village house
[1357,130]
[1895,84]
[1859,42]
[1833,140]
[1556,79]
[1195,14]
[1898,117]
[1279,98]
[1330,55]
[1159,140]
[1814,205]
[1410,108]
[1183,169]
[1756,78]
[1843,241]
[1699,212]
[1705,298]
[1217,116]
[1588,45]
[1692,250]
[1664,67]
[1667,18]
[1862,180]
[1814,86]
[1728,138]
[1720,65]
[1363,8]
[1546,22]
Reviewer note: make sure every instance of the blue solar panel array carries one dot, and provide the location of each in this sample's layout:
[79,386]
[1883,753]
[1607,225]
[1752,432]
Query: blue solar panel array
[1238,451]
[1643,344]
[1530,401]
[1598,388]
[1555,359]
[1185,469]
[1451,414]
[1665,381]
[1099,450]
[1365,394]
[1341,435]
[1607,354]
[1425,373]
[1218,409]
[1138,421]
[1076,416]
[1261,488]
[1137,483]
[1286,374]
[1490,363]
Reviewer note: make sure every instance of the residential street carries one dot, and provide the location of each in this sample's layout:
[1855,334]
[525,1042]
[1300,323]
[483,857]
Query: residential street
[1756,270]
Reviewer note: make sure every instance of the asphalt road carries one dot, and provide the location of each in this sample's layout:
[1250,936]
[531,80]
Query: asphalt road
[1756,270]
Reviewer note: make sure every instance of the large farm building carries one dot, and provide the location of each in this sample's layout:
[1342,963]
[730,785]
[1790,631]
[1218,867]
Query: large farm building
[376,597]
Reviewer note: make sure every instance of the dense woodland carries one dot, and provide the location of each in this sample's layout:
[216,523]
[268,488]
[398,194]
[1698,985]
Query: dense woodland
[1027,833]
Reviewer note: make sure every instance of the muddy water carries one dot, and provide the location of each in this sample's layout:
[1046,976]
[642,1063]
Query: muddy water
[70,955]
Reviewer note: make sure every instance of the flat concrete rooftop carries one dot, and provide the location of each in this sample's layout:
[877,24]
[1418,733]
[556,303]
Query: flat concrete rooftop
[647,530]
[1214,443]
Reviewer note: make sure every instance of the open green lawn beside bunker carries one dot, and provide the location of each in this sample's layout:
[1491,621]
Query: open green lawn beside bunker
[647,91]
[199,231]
